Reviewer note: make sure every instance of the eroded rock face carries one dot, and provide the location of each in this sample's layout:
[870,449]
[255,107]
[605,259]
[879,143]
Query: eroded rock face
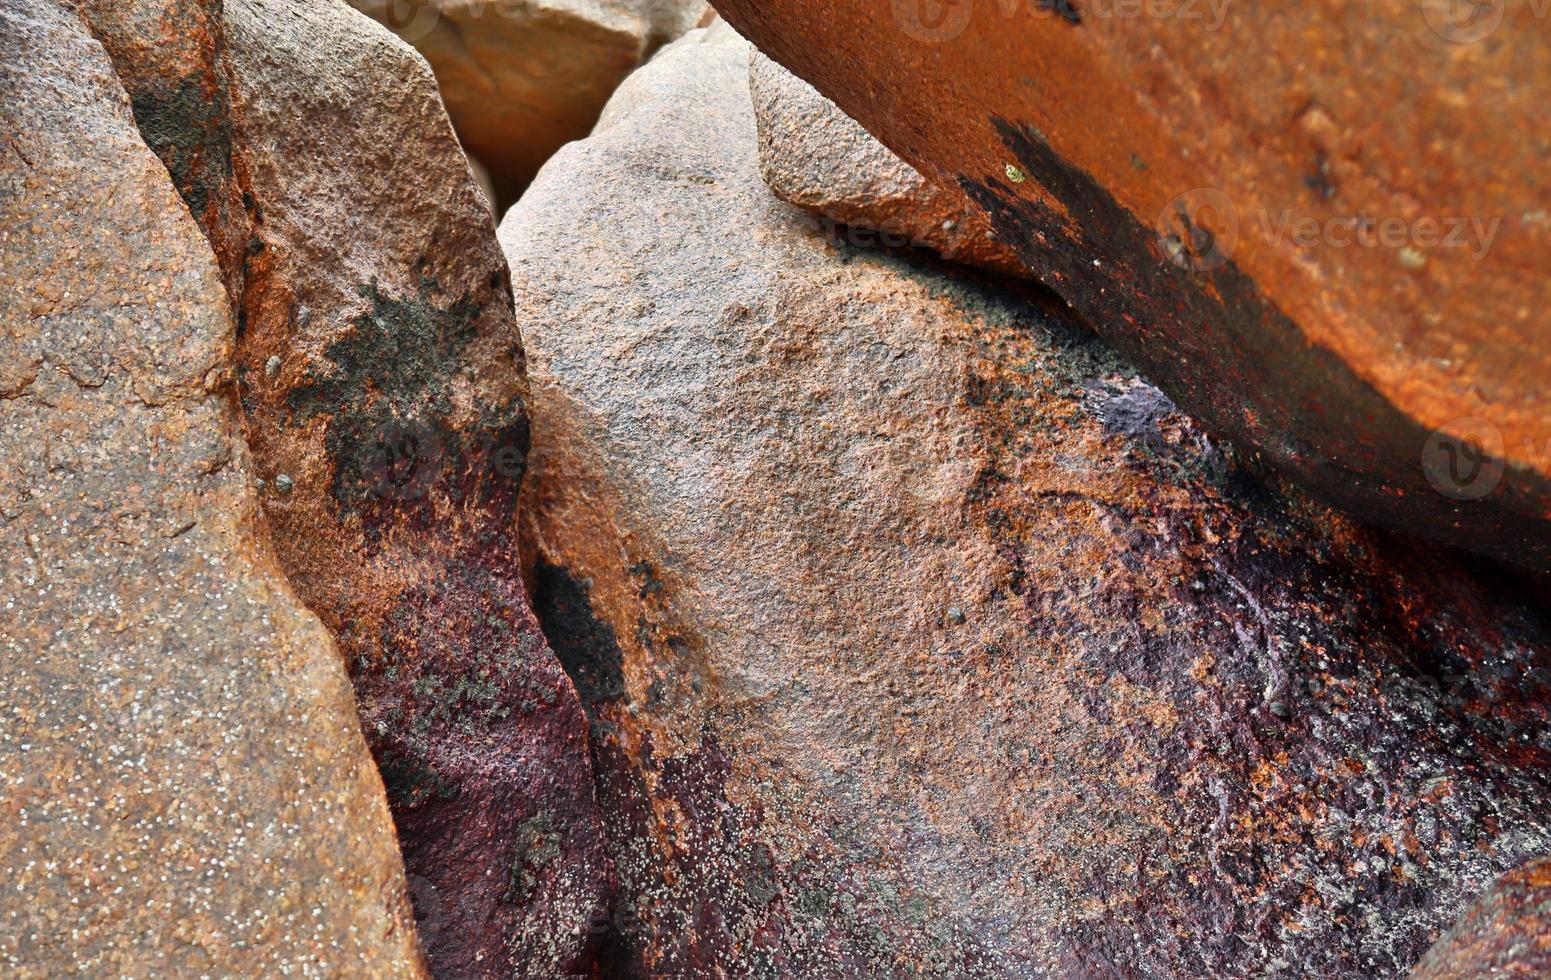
[184,790]
[1318,226]
[523,77]
[922,636]
[382,380]
[1506,934]
[813,155]
[382,376]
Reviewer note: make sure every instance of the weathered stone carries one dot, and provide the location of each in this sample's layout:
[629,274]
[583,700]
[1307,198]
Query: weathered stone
[398,414]
[813,155]
[168,57]
[1192,176]
[922,636]
[523,77]
[381,376]
[184,790]
[1506,934]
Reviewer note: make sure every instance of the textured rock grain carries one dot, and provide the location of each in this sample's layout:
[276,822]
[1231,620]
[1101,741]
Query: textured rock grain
[184,790]
[1506,934]
[922,636]
[382,377]
[522,77]
[1321,227]
[168,56]
[813,155]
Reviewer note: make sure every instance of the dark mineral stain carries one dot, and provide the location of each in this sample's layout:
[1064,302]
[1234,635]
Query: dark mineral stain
[1208,332]
[192,134]
[410,782]
[1065,9]
[538,846]
[392,433]
[1135,414]
[401,354]
[586,646]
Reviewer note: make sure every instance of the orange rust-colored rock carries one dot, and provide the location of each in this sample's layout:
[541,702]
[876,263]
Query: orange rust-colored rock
[382,375]
[382,380]
[184,790]
[167,54]
[1506,934]
[923,636]
[523,77]
[1322,227]
[813,155]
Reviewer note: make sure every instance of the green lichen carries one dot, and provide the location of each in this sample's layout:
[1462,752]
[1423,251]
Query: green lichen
[389,398]
[538,846]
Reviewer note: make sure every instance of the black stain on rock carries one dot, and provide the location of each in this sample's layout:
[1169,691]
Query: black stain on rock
[191,132]
[393,434]
[412,781]
[586,647]
[1248,370]
[1065,9]
[1135,414]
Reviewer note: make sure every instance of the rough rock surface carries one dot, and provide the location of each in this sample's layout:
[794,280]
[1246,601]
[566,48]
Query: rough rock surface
[921,636]
[523,77]
[813,155]
[382,381]
[382,377]
[184,790]
[168,56]
[1191,177]
[1506,934]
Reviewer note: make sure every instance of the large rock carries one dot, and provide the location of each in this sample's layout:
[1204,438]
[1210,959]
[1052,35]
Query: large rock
[922,636]
[184,790]
[384,384]
[815,156]
[1190,176]
[523,77]
[1506,934]
[382,377]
